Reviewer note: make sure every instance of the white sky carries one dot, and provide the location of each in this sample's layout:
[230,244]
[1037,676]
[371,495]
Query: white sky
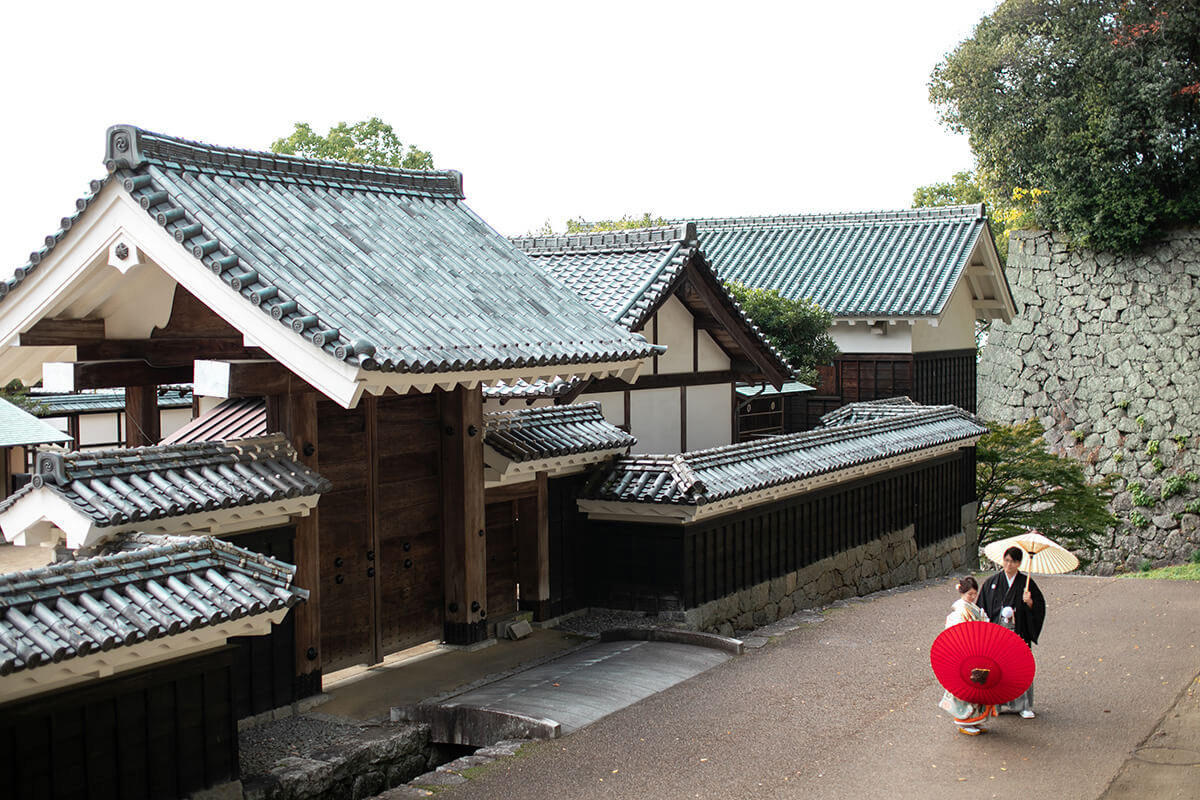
[550,109]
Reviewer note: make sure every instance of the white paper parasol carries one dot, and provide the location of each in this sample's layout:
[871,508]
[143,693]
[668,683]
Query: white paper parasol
[1042,556]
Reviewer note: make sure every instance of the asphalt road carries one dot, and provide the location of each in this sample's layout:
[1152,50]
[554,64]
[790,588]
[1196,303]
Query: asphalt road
[846,708]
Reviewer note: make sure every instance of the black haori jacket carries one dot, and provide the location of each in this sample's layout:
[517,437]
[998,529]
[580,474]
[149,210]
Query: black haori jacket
[995,594]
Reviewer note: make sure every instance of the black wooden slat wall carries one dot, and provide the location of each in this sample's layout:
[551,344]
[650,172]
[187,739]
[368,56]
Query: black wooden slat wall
[162,732]
[264,667]
[945,378]
[657,568]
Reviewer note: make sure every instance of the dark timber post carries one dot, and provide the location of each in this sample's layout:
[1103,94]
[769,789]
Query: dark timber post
[533,547]
[464,545]
[141,416]
[295,415]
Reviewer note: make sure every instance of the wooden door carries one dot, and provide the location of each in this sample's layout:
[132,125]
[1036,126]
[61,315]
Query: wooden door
[502,568]
[347,590]
[408,521]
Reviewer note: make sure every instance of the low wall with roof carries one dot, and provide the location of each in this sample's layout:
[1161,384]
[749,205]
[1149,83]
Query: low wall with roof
[1103,352]
[884,563]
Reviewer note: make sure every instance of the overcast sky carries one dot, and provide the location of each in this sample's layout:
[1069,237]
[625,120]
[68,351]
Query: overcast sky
[550,110]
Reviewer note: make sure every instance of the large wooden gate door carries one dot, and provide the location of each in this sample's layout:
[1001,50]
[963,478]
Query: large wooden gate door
[408,521]
[381,549]
[347,589]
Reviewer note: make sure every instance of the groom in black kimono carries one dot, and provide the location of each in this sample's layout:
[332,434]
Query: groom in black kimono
[1011,598]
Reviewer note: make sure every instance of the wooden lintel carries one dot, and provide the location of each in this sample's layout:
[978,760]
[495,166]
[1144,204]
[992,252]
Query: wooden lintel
[510,491]
[665,381]
[63,332]
[168,352]
[73,376]
[245,379]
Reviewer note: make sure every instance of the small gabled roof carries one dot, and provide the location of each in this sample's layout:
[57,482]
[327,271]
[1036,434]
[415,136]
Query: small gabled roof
[710,482]
[877,265]
[355,277]
[171,591]
[19,428]
[211,487]
[628,274]
[235,418]
[100,401]
[523,390]
[553,439]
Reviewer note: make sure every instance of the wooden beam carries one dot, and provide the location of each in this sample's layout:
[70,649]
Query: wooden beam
[142,427]
[63,332]
[464,547]
[65,376]
[668,380]
[168,352]
[533,550]
[253,378]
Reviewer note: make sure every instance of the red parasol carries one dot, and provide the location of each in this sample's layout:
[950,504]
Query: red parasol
[981,662]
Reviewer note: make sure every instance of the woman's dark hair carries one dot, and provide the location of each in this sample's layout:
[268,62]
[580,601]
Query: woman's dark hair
[966,584]
[1015,553]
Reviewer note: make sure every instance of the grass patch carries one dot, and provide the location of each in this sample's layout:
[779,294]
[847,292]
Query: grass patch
[1179,572]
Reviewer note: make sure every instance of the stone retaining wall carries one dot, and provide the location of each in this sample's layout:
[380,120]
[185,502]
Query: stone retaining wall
[1104,352]
[890,561]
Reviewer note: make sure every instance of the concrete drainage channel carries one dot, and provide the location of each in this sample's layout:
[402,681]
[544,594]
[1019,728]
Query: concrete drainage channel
[432,745]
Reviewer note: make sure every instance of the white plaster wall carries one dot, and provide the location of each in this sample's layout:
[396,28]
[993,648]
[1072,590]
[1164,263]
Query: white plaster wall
[711,357]
[207,404]
[56,422]
[172,419]
[858,338]
[674,329]
[955,330]
[612,406]
[656,420]
[709,416]
[98,429]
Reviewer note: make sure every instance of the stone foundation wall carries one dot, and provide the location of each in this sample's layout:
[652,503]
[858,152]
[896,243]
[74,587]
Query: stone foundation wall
[1105,352]
[890,561]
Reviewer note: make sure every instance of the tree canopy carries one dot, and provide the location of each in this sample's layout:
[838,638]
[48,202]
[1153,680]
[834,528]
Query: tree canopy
[1023,485]
[964,189]
[371,141]
[798,328]
[1083,114]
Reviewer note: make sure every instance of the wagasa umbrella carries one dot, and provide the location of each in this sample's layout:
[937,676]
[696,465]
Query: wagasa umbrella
[982,663]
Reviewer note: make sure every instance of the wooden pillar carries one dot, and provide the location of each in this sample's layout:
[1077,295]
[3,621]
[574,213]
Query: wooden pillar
[464,546]
[533,549]
[141,416]
[295,415]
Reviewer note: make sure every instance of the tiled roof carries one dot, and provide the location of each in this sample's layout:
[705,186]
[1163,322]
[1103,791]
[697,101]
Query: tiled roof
[18,427]
[627,274]
[524,390]
[706,476]
[538,433]
[236,418]
[166,586]
[129,485]
[880,264]
[385,269]
[758,390]
[54,404]
[884,408]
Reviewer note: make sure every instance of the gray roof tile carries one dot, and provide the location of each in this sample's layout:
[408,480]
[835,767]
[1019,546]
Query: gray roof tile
[18,427]
[53,404]
[879,264]
[115,487]
[705,476]
[527,434]
[383,268]
[162,587]
[628,274]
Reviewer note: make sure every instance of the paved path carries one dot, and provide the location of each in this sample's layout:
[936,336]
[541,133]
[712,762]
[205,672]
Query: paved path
[585,686]
[846,707]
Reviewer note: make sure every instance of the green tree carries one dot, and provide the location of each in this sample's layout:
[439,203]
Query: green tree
[1084,114]
[17,393]
[371,141]
[581,225]
[1023,485]
[798,328]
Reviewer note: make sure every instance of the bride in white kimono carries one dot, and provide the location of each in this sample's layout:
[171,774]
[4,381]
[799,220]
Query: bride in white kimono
[967,716]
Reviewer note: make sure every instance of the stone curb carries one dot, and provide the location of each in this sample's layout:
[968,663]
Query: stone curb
[676,636]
